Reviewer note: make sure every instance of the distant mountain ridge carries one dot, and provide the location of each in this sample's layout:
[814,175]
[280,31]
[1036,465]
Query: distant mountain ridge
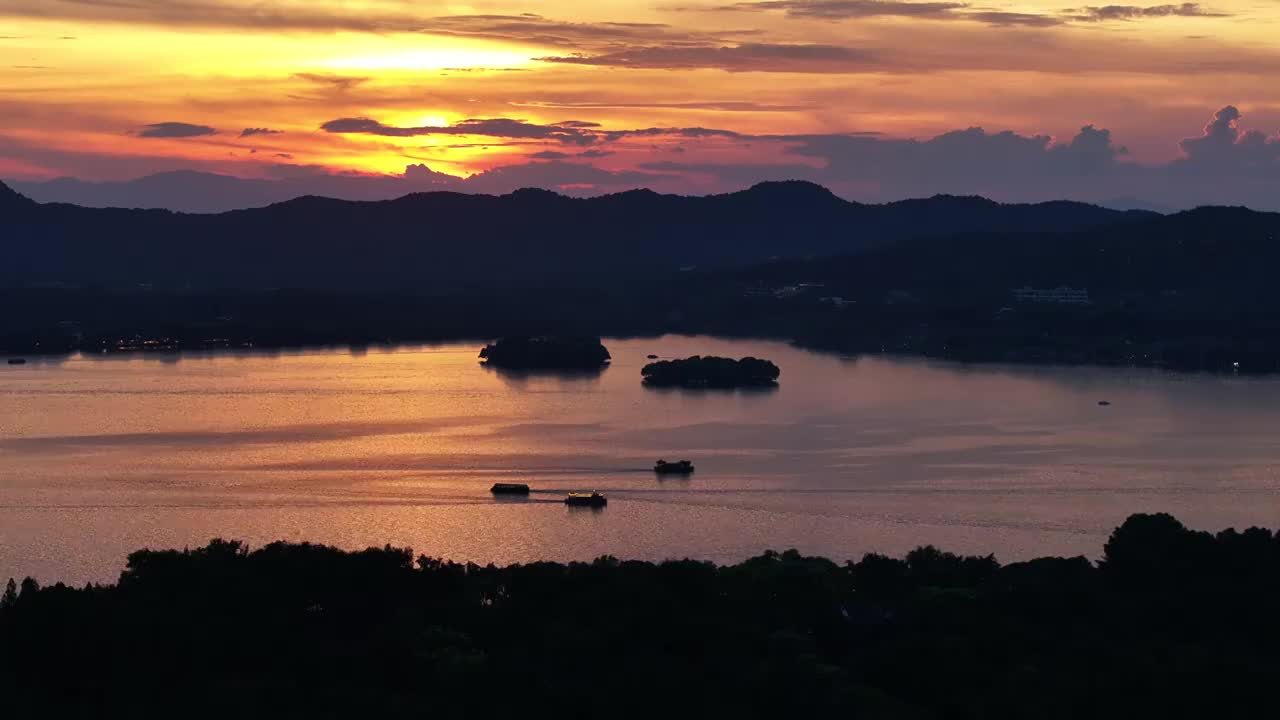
[11,198]
[203,192]
[440,241]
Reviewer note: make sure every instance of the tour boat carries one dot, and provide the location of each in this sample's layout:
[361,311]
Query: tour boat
[594,499]
[684,467]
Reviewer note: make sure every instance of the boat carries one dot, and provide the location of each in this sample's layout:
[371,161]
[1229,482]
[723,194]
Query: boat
[509,489]
[653,357]
[593,499]
[684,467]
[1104,403]
[17,361]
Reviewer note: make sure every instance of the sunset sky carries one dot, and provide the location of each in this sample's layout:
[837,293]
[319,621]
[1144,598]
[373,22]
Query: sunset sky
[680,95]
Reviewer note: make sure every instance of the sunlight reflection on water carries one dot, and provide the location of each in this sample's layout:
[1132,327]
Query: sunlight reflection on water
[99,457]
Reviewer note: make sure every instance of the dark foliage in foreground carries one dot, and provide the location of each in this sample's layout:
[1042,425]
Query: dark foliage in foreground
[711,372]
[1173,623]
[546,353]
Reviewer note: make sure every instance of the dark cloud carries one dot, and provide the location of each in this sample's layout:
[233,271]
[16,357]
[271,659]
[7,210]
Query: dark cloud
[1135,12]
[1224,163]
[250,132]
[856,9]
[1223,147]
[587,154]
[339,83]
[490,127]
[570,132]
[212,13]
[747,57]
[1013,19]
[846,9]
[545,31]
[392,17]
[973,157]
[175,130]
[714,105]
[695,132]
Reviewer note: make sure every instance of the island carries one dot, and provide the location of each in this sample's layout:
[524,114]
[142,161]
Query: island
[712,372]
[546,353]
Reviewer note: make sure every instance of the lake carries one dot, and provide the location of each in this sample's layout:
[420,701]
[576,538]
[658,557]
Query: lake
[102,456]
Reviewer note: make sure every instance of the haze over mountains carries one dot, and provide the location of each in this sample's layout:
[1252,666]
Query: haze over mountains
[1227,163]
[192,191]
[443,241]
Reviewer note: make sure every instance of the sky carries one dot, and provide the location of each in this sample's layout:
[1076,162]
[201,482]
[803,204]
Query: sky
[1169,105]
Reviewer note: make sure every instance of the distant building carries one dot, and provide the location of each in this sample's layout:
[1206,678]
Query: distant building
[785,291]
[1052,296]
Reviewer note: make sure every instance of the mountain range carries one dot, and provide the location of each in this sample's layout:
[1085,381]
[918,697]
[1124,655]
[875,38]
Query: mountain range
[443,241]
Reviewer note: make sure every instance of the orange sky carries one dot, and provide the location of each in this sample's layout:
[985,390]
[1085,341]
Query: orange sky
[101,89]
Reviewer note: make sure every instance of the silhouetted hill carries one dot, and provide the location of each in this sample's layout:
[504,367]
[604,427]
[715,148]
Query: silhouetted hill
[204,192]
[1218,252]
[442,241]
[9,199]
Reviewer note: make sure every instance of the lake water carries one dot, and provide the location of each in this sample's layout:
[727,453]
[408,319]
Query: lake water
[101,456]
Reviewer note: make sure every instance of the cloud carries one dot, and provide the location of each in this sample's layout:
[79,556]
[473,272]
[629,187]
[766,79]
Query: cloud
[536,29]
[846,9]
[586,154]
[338,83]
[1224,163]
[175,130]
[1134,12]
[567,133]
[1013,19]
[860,9]
[692,132]
[250,132]
[712,105]
[376,16]
[857,9]
[747,57]
[1222,147]
[961,161]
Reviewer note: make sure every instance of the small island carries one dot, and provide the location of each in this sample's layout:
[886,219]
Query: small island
[712,372]
[546,353]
